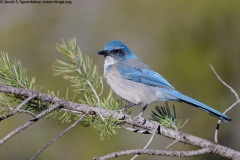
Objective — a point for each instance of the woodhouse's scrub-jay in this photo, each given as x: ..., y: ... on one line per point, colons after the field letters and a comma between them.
x: 136, y: 83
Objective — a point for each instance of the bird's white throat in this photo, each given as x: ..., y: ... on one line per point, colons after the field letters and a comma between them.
x: 107, y: 62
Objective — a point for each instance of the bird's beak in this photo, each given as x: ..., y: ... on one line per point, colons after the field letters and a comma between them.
x: 104, y: 52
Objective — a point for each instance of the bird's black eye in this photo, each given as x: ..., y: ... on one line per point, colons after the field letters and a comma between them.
x: 116, y: 51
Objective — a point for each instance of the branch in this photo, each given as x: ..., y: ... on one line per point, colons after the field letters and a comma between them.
x: 229, y: 108
x: 149, y: 142
x: 131, y: 120
x: 59, y: 136
x: 93, y: 90
x: 25, y: 111
x: 42, y: 114
x: 231, y: 89
x: 155, y: 153
x: 90, y: 85
x: 18, y: 109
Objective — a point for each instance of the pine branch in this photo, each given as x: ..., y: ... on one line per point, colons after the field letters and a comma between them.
x: 24, y: 126
x: 18, y: 109
x: 17, y: 88
x: 131, y: 120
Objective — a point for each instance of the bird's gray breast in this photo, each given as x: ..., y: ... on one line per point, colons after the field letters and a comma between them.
x: 130, y: 91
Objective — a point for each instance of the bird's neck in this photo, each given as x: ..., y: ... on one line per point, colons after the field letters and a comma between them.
x: 108, y: 62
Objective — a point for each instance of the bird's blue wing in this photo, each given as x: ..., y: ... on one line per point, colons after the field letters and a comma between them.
x: 151, y: 78
x: 143, y: 75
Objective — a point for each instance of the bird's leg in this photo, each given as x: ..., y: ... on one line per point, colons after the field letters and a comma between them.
x: 127, y: 106
x: 144, y: 108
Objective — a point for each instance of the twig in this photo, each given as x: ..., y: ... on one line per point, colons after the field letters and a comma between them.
x: 25, y: 111
x: 68, y: 110
x: 234, y: 92
x: 149, y: 142
x: 173, y: 143
x: 18, y: 107
x: 176, y: 140
x: 219, y: 121
x: 90, y: 85
x: 229, y: 108
x: 42, y: 114
x: 59, y: 136
x: 155, y: 152
x: 94, y: 91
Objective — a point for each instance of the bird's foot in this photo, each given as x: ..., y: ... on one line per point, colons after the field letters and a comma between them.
x: 121, y: 111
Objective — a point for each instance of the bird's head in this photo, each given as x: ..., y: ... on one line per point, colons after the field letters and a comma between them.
x: 117, y: 50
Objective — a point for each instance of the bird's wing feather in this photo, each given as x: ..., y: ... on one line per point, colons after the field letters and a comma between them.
x: 144, y: 75
x: 151, y: 78
x: 196, y: 103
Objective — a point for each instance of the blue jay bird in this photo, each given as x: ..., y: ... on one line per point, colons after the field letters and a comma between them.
x: 136, y: 83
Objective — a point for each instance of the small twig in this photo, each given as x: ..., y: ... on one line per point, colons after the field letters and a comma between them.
x: 172, y: 144
x: 219, y: 121
x: 149, y: 142
x: 18, y: 107
x: 90, y: 85
x: 229, y: 108
x: 234, y: 92
x: 94, y: 92
x: 176, y: 140
x: 42, y: 114
x: 69, y: 110
x: 25, y: 111
x: 156, y: 153
x: 59, y: 136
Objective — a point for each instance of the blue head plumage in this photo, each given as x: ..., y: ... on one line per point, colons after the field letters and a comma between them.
x: 117, y: 50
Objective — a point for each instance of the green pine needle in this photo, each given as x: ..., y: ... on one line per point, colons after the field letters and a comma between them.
x: 13, y: 74
x: 77, y: 68
x: 165, y: 118
x: 80, y: 70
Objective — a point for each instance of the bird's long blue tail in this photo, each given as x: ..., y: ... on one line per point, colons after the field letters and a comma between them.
x: 198, y: 104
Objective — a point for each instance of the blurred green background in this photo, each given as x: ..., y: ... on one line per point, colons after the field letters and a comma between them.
x: 178, y: 39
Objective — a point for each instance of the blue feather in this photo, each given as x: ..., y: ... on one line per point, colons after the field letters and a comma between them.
x: 143, y: 75
x: 196, y: 103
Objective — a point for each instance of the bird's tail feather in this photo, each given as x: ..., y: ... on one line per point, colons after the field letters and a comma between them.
x: 198, y: 104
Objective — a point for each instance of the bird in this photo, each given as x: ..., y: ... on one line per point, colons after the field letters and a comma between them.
x: 136, y: 83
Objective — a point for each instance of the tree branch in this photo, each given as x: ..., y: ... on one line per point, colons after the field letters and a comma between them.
x: 155, y: 152
x: 59, y: 136
x: 18, y: 109
x: 229, y: 108
x: 131, y: 120
x: 149, y: 142
x: 25, y: 111
x: 42, y: 114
